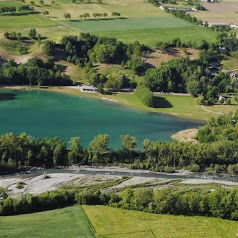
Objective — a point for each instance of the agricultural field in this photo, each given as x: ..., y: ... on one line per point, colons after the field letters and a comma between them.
x: 68, y: 222
x: 147, y: 24
x: 116, y: 223
x: 151, y: 36
x: 107, y: 222
x: 224, y: 12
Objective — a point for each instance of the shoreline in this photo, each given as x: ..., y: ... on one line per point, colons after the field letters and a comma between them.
x: 73, y: 91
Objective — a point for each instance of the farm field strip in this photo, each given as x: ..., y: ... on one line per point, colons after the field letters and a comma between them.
x: 225, y: 12
x: 96, y: 25
x: 116, y: 223
x: 151, y: 36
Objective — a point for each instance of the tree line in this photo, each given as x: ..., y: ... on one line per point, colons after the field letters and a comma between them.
x: 12, y: 9
x: 217, y: 156
x: 221, y: 203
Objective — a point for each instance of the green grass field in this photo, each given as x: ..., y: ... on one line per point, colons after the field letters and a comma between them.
x: 68, y: 222
x: 151, y: 36
x: 9, y: 4
x: 25, y: 21
x: 133, y: 23
x: 117, y: 223
x: 107, y: 222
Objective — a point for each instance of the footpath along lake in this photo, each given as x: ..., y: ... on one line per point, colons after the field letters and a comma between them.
x: 45, y: 114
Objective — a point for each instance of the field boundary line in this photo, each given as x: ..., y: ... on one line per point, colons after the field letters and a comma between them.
x: 93, y: 230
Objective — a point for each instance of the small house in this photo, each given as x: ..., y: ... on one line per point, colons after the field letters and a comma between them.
x: 88, y: 88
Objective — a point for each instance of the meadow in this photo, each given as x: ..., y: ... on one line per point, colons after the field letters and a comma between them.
x: 116, y: 223
x: 151, y: 36
x: 108, y: 222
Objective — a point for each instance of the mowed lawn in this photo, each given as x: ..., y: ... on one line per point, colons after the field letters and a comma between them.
x: 117, y: 223
x: 69, y: 222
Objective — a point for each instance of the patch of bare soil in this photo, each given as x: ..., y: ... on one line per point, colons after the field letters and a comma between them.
x: 188, y: 135
x: 157, y: 57
x: 21, y: 59
x: 69, y: 69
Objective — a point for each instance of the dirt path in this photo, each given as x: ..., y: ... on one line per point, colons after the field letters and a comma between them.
x: 220, y: 113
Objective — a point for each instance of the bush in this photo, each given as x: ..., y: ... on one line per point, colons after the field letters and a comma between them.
x: 20, y: 185
x: 145, y: 95
x: 194, y: 168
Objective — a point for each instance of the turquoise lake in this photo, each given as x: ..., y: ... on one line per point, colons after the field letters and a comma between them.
x: 46, y: 114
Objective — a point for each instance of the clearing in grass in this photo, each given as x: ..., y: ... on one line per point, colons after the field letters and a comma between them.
x: 111, y: 222
x: 67, y: 222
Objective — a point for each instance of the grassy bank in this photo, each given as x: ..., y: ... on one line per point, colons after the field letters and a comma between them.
x: 67, y: 222
x: 181, y: 106
x: 116, y: 223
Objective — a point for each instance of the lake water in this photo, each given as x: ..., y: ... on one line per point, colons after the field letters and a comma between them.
x: 46, y: 114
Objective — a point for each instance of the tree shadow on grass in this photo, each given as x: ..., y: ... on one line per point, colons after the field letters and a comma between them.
x: 160, y: 102
x: 7, y: 96
x: 99, y: 19
x: 21, y: 13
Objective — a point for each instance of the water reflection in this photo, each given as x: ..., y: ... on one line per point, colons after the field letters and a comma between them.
x: 7, y: 96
